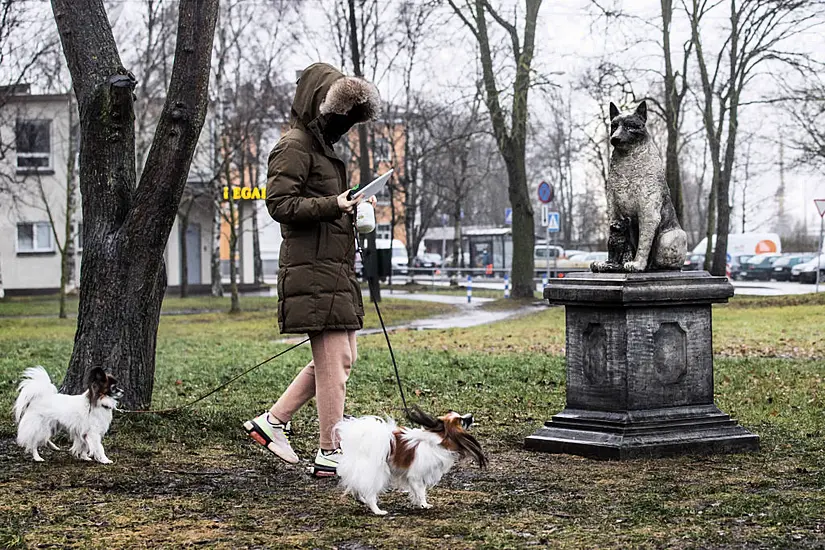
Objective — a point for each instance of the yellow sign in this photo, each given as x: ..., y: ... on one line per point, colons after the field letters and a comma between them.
x: 245, y: 193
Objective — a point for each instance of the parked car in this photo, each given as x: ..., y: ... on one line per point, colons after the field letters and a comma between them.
x: 759, y: 268
x: 694, y: 262
x: 783, y: 266
x: 807, y: 270
x: 399, y: 261
x: 585, y: 259
x: 427, y: 259
x: 735, y: 265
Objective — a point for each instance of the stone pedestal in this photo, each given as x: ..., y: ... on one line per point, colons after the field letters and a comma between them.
x: 640, y: 368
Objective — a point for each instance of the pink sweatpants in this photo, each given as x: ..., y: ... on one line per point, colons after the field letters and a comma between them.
x: 325, y: 378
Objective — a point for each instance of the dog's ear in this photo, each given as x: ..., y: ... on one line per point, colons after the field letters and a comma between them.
x: 97, y: 382
x: 614, y: 111
x: 417, y: 416
x: 641, y: 110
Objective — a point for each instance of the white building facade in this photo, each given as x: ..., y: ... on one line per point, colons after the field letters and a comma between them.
x: 35, y: 134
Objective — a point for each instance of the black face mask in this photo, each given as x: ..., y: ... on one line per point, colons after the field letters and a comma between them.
x: 337, y: 125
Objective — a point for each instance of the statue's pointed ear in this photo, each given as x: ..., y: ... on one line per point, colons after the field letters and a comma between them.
x: 614, y: 111
x: 641, y: 110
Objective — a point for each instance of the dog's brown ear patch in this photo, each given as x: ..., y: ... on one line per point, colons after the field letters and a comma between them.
x: 98, y: 383
x: 417, y: 416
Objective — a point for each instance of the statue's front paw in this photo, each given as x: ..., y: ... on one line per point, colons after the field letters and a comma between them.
x: 633, y: 267
x: 598, y: 267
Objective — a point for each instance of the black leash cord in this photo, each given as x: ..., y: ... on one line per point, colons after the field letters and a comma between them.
x: 219, y: 388
x: 387, y: 338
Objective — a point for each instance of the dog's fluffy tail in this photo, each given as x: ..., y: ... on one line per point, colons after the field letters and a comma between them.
x: 35, y: 385
x: 366, y: 443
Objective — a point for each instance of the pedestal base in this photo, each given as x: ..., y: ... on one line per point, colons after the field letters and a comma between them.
x: 702, y: 429
x: 640, y: 368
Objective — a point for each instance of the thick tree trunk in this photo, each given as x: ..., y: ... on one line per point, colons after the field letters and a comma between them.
x: 126, y: 227
x: 523, y: 226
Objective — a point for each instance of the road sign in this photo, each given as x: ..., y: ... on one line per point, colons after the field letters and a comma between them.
x: 508, y: 216
x: 544, y: 210
x: 553, y: 225
x: 546, y: 192
x: 820, y: 205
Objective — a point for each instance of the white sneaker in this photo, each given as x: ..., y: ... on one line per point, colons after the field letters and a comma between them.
x: 326, y: 463
x: 275, y: 437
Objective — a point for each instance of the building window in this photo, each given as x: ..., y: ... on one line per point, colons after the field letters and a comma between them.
x: 383, y: 231
x: 34, y: 237
x: 33, y: 145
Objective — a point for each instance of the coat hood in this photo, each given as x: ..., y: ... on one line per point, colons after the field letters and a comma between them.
x: 323, y: 89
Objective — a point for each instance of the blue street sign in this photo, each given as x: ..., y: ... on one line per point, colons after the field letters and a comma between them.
x: 553, y: 224
x: 545, y: 192
x: 508, y: 216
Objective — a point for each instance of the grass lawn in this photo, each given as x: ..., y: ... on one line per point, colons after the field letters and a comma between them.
x: 195, y: 479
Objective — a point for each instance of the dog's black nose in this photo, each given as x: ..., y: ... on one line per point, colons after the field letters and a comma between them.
x: 615, y: 141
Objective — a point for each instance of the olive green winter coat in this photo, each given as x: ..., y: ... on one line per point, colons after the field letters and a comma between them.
x: 317, y: 287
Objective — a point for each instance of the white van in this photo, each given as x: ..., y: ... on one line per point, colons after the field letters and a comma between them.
x: 746, y: 243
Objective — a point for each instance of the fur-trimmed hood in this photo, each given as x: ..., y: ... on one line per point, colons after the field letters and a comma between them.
x: 322, y: 89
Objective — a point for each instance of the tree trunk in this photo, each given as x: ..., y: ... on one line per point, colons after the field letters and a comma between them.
x: 215, y: 254
x: 511, y: 143
x: 258, y: 264
x: 710, y: 224
x: 184, y: 257
x: 673, y: 175
x: 523, y: 226
x: 126, y: 227
x: 234, y: 211
x: 458, y: 253
x: 364, y: 168
x: 67, y: 252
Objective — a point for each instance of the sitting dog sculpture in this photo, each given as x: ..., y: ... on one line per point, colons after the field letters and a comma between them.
x: 644, y: 232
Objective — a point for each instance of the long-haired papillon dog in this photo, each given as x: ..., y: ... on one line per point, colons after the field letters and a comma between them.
x: 40, y: 412
x: 377, y: 454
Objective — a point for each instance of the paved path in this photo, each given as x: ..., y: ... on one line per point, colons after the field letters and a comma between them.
x: 469, y: 315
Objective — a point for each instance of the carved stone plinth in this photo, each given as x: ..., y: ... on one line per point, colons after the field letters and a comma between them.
x: 640, y: 368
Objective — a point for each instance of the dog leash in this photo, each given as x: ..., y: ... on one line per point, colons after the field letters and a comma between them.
x: 284, y: 352
x: 214, y: 390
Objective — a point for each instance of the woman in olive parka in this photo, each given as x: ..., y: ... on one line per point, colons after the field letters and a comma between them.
x: 318, y: 292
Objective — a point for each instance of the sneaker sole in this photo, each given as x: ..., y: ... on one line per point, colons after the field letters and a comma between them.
x: 250, y: 430
x: 321, y: 471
